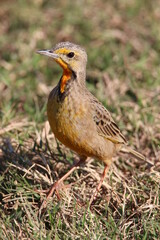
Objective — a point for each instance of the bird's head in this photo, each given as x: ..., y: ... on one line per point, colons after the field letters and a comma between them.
x: 69, y: 56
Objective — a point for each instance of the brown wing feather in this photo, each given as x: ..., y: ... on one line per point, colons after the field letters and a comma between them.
x: 106, y: 126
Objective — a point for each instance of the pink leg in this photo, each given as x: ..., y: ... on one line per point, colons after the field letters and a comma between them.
x: 94, y: 195
x: 59, y: 184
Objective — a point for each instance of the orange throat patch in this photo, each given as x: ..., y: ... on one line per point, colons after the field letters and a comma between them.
x: 66, y: 76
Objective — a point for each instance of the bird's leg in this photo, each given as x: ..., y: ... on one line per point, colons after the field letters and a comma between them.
x: 59, y: 184
x: 94, y: 195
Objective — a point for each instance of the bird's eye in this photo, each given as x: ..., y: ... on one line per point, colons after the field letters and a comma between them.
x: 70, y: 54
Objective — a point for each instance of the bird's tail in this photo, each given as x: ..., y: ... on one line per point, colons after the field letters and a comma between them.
x: 135, y: 154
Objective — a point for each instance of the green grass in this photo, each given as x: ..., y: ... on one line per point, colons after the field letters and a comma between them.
x: 122, y: 39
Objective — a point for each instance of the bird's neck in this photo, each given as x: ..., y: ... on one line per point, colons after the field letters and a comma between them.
x: 71, y: 78
x: 81, y: 78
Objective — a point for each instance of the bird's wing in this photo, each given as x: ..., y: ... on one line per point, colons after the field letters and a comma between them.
x: 106, y: 127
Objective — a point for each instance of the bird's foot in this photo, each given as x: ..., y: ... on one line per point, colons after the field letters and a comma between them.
x: 55, y: 188
x: 93, y: 197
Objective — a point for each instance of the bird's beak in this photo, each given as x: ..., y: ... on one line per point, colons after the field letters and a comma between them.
x: 48, y: 53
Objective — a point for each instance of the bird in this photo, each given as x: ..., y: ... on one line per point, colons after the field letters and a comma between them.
x: 78, y: 119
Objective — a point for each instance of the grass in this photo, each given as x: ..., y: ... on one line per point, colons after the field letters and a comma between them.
x: 122, y: 41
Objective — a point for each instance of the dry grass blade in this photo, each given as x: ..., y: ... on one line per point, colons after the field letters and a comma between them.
x: 15, y: 126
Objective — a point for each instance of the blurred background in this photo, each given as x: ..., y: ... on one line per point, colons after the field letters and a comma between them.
x: 122, y: 39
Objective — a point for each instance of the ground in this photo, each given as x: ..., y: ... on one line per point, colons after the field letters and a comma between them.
x: 122, y: 39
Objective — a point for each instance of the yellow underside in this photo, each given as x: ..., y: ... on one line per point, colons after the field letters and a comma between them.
x: 64, y: 123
